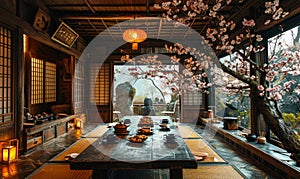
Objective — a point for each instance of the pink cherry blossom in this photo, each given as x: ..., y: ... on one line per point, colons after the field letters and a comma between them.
x: 267, y: 22
x: 212, y: 13
x: 260, y: 88
x: 228, y: 1
x: 157, y: 6
x: 277, y: 96
x: 217, y: 7
x: 259, y: 38
x: 248, y: 23
x: 166, y: 5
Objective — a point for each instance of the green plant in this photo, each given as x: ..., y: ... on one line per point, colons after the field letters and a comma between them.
x: 292, y: 120
x: 289, y: 118
x: 240, y: 114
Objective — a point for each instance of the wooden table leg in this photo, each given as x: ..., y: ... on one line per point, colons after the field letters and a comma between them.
x: 97, y: 174
x: 176, y: 174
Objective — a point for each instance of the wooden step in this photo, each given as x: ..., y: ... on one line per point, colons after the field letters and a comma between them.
x: 212, y: 171
x: 187, y: 132
x: 200, y: 145
x: 77, y: 147
x: 97, y: 132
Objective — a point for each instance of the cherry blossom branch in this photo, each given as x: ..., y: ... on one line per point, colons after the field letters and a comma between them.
x: 235, y: 74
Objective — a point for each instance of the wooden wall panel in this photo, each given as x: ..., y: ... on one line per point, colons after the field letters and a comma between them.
x: 6, y: 132
x: 191, y: 114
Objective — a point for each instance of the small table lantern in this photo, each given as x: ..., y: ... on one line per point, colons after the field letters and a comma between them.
x: 78, y: 123
x: 10, y: 151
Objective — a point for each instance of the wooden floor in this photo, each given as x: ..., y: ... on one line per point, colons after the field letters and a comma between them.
x: 211, y: 172
x: 52, y: 153
x: 58, y: 166
x: 60, y: 171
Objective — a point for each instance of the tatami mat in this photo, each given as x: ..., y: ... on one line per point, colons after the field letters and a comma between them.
x: 187, y: 132
x: 98, y: 132
x: 77, y: 147
x: 60, y: 171
x: 212, y: 172
x: 199, y: 145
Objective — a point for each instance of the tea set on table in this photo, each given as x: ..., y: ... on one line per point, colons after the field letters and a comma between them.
x: 169, y: 139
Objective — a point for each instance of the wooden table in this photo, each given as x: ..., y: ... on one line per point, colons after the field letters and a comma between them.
x: 153, y: 153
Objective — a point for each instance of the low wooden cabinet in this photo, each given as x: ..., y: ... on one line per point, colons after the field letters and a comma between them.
x: 33, y: 142
x: 61, y: 129
x: 49, y: 134
x: 38, y: 134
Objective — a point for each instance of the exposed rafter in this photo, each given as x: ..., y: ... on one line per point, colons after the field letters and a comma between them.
x: 91, y: 17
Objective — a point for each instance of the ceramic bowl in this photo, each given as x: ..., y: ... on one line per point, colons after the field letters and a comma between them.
x: 251, y: 137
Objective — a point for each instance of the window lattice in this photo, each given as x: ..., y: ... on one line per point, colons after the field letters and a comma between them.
x: 100, y: 84
x: 79, y: 87
x: 50, y: 78
x: 37, y: 81
x: 41, y: 73
x: 192, y: 98
x: 5, y: 75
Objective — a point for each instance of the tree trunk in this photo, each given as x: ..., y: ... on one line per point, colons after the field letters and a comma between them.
x: 287, y: 136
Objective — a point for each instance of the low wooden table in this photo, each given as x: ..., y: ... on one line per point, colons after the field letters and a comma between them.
x: 153, y: 153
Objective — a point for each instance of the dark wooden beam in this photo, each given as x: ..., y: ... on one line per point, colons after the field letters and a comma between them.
x: 34, y: 34
x: 53, y: 6
x: 90, y: 6
x: 93, y: 26
x: 107, y: 15
x: 292, y: 12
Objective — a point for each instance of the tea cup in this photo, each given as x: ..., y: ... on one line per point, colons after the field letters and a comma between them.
x: 110, y: 138
x: 169, y: 137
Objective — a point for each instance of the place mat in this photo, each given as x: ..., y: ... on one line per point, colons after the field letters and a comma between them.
x: 60, y: 171
x: 187, y: 132
x: 212, y: 171
x: 199, y: 145
x: 77, y: 147
x: 97, y: 132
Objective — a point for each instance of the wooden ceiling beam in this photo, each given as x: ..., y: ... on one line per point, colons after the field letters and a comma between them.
x: 159, y: 28
x: 188, y: 30
x: 106, y: 15
x: 107, y: 28
x: 53, y: 6
x: 93, y: 26
x: 293, y: 9
x: 118, y: 24
x: 89, y: 6
x: 240, y: 13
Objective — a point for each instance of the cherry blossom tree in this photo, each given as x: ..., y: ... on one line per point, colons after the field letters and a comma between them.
x: 243, y: 44
x: 193, y: 76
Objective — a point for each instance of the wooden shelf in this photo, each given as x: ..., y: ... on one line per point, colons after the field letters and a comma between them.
x: 262, y: 154
x: 35, y: 135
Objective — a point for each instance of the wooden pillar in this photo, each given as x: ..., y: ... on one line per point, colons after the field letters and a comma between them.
x: 261, y: 59
x: 19, y: 90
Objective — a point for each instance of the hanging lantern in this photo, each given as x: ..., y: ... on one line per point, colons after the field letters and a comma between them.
x: 134, y: 46
x: 10, y: 151
x: 134, y: 36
